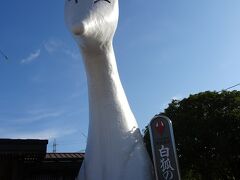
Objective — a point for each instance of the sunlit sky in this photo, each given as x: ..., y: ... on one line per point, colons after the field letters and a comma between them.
x: 165, y: 49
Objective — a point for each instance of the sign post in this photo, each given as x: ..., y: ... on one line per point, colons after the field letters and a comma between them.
x: 163, y: 149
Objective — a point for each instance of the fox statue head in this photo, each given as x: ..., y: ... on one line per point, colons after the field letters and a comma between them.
x: 92, y: 21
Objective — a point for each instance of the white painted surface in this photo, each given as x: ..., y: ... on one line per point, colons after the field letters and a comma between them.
x: 115, y: 150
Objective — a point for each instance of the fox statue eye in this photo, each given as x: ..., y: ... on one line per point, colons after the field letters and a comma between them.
x: 95, y: 1
x: 102, y: 0
x: 76, y: 1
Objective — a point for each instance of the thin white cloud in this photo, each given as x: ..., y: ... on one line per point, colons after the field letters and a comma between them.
x: 32, y: 56
x: 53, y: 45
x: 58, y: 46
x: 41, y: 134
x: 72, y: 54
x: 34, y: 116
x: 44, y: 134
x: 25, y: 126
x: 40, y: 117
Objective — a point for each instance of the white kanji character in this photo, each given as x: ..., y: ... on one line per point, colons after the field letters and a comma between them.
x: 166, y: 165
x: 168, y: 175
x: 164, y: 152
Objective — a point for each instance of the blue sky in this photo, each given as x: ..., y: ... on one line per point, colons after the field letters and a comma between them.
x: 164, y: 49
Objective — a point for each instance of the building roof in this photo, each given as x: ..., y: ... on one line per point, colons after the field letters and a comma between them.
x: 63, y: 156
x: 23, y: 149
x: 29, y: 160
x: 33, y: 150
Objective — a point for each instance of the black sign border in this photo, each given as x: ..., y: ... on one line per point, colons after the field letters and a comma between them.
x: 172, y: 141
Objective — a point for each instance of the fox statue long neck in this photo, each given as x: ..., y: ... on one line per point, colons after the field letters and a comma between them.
x: 114, y: 141
x: 108, y: 105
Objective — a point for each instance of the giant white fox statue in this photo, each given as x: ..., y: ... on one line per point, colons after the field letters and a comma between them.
x: 115, y: 149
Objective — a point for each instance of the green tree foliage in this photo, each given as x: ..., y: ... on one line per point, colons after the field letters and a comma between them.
x: 207, y: 134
